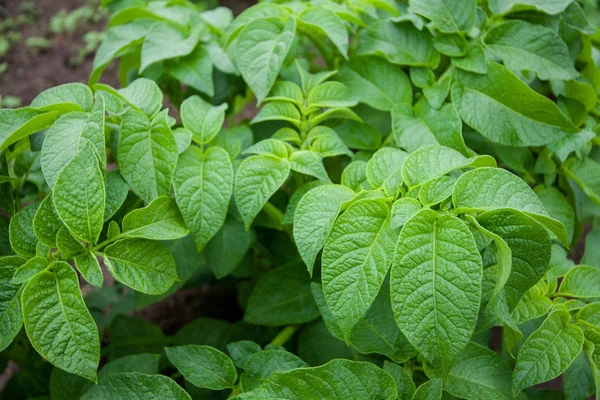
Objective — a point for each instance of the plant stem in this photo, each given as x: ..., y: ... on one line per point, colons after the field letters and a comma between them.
x: 273, y: 212
x: 176, y: 375
x: 285, y: 335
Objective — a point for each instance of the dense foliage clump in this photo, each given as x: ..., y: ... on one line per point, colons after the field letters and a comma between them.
x: 415, y: 175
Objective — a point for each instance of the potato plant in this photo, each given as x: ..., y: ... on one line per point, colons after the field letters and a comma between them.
x: 410, y: 212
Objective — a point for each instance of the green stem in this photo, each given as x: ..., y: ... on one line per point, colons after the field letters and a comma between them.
x: 104, y: 243
x: 273, y: 212
x: 176, y: 375
x: 285, y: 335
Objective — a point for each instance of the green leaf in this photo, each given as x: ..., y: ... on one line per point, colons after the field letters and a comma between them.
x: 449, y: 16
x: 479, y: 374
x: 262, y: 365
x: 87, y: 264
x: 270, y: 147
x: 403, y: 210
x: 338, y: 379
x: 260, y: 50
x: 548, y: 351
x: 309, y: 163
x: 240, y: 351
x: 314, y: 218
x: 401, y: 44
x: 506, y: 6
x: 147, y: 154
x: 356, y: 259
x: 320, y: 21
x: 31, y: 268
x: 502, y: 190
x: 582, y: 281
x: 558, y: 207
x: 131, y: 385
x: 116, y: 193
x: 359, y: 136
x: 436, y: 285
x: 578, y: 379
x: 67, y: 244
x: 354, y: 176
x: 383, y: 169
x: 203, y: 186
x: 202, y: 119
x: 376, y: 82
x: 534, y: 304
x: 164, y: 41
x: 331, y: 95
x: 16, y: 124
x: 282, y: 297
x: 195, y: 70
x: 475, y: 60
x: 117, y: 40
x: 144, y: 95
x: 278, y: 111
x: 160, y: 220
x: 11, y: 318
x: 436, y: 190
x: 145, y: 363
x: 586, y: 174
x: 428, y: 126
x: 524, y: 46
x: 203, y: 366
x: 430, y: 390
x: 228, y: 247
x: 287, y: 92
x: 257, y: 179
x: 46, y: 223
x: 405, y: 384
x: 433, y: 161
x: 326, y: 142
x: 530, y: 248
x: 79, y: 196
x: 52, y: 302
x: 520, y: 118
x: 22, y: 237
x: 258, y: 11
x: 66, y: 386
x: 65, y: 98
x: 143, y: 265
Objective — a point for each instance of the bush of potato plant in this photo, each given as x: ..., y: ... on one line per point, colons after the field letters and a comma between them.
x: 410, y: 212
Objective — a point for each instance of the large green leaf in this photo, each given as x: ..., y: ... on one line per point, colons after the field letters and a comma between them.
x: 136, y: 385
x: 257, y: 178
x: 260, y: 51
x: 524, y: 46
x: 144, y: 265
x: 582, y: 281
x: 520, y: 117
x: 79, y: 196
x: 203, y: 186
x: 548, y: 351
x: 356, y: 260
x: 23, y: 240
x: 65, y: 98
x: 338, y: 379
x: 147, y: 154
x: 320, y: 22
x: 59, y: 324
x: 164, y: 41
x: 449, y: 16
x: 15, y: 124
x: 549, y: 7
x: 436, y: 286
x: 558, y: 207
x: 282, y: 297
x: 203, y: 366
x: 314, y: 217
x: 401, y: 44
x: 160, y: 220
x: 11, y: 319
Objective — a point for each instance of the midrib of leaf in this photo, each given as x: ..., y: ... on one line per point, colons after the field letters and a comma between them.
x: 434, y: 250
x: 151, y: 224
x: 154, y: 189
x: 544, y: 352
x: 450, y: 15
x: 141, y: 266
x: 87, y: 208
x: 189, y: 357
x: 390, y: 345
x: 511, y: 109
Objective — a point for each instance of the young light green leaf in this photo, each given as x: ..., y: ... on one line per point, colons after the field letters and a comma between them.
x: 144, y: 95
x: 548, y: 351
x: 449, y: 16
x: 116, y: 193
x: 87, y: 264
x: 436, y: 285
x: 533, y: 304
x: 203, y: 186
x: 258, y: 11
x: 52, y: 302
x: 65, y: 98
x: 376, y: 82
x: 67, y: 244
x: 403, y: 210
x: 31, y: 268
x: 436, y: 190
x: 11, y: 318
x: 320, y: 21
x: 282, y: 297
x: 520, y: 118
x: 132, y: 385
x: 549, y: 7
x: 165, y: 40
x: 405, y: 384
x: 401, y: 44
x: 314, y: 217
x: 356, y: 259
x: 203, y: 366
x: 23, y: 240
x: 46, y: 223
x: 257, y: 178
x: 202, y: 119
x: 354, y: 176
x: 260, y: 50
x: 326, y: 142
x: 143, y: 265
x: 16, y: 124
x: 524, y: 46
x: 331, y: 95
x: 586, y: 174
x: 278, y: 111
x: 338, y: 379
x: 309, y: 163
x: 287, y: 92
x: 582, y: 281
x: 79, y: 196
x: 474, y: 61
x: 147, y: 154
x: 270, y: 147
x: 383, y: 169
x: 160, y: 220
